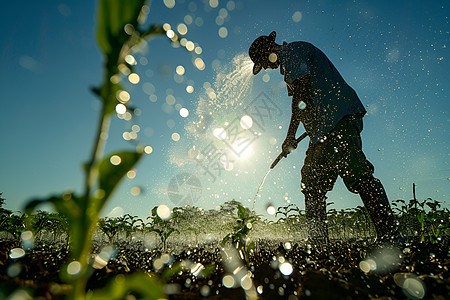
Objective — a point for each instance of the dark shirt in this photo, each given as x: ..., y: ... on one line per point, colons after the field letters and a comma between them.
x: 331, y: 98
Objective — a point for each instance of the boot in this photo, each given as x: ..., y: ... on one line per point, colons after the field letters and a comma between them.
x: 376, y: 202
x: 316, y: 219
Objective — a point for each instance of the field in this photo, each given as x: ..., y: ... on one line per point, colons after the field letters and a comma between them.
x: 229, y: 253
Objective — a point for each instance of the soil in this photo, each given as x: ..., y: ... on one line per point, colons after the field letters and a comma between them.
x: 342, y: 270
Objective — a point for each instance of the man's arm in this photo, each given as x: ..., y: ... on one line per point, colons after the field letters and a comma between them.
x: 299, y: 100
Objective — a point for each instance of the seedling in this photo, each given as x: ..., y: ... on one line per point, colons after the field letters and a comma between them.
x: 241, y: 227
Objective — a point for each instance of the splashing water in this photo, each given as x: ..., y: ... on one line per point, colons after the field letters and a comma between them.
x: 222, y: 100
x: 260, y: 188
x: 231, y: 86
x: 228, y: 95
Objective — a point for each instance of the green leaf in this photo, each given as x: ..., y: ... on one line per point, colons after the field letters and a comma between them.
x: 226, y: 239
x: 113, y: 15
x: 421, y: 217
x: 108, y: 94
x: 241, y: 212
x: 121, y: 285
x: 171, y: 272
x: 110, y: 175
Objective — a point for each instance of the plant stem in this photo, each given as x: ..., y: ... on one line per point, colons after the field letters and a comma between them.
x: 97, y: 151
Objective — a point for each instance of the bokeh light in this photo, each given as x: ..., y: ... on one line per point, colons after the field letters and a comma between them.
x: 16, y: 253
x: 190, y: 89
x: 175, y: 137
x: 213, y: 3
x: 190, y: 46
x: 121, y: 109
x: 123, y: 96
x: 297, y: 16
x: 271, y: 210
x: 74, y: 268
x: 131, y: 174
x: 228, y: 281
x: 184, y: 112
x: 199, y: 63
x: 246, y: 122
x: 180, y: 70
x: 220, y: 133
x: 148, y: 149
x: 169, y: 3
x: 223, y: 32
x: 134, y: 78
x: 115, y: 160
x: 163, y: 212
x: 182, y: 29
x: 135, y: 191
x: 286, y: 268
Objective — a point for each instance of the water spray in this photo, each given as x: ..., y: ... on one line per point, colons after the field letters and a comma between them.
x: 275, y: 162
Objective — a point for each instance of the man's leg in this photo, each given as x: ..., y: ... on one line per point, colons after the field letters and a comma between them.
x: 318, y: 177
x: 375, y: 200
x: 316, y: 218
x: 357, y: 171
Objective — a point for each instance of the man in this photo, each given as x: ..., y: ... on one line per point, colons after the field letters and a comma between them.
x: 331, y: 114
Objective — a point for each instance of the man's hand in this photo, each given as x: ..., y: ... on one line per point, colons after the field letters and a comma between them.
x: 289, y: 145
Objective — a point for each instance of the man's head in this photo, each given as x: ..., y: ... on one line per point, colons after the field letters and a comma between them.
x: 263, y: 52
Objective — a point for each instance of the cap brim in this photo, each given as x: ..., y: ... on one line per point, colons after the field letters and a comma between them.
x: 256, y: 68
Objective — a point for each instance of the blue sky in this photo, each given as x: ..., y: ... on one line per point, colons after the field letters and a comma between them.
x: 393, y: 53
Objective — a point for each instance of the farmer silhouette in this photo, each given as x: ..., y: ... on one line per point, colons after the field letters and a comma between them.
x: 331, y: 114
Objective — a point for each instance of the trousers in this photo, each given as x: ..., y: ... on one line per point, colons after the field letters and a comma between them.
x: 340, y: 154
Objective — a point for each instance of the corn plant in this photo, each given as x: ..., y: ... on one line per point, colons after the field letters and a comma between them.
x: 437, y: 220
x: 44, y: 222
x: 119, y: 34
x: 13, y: 223
x: 416, y: 217
x: 240, y: 228
x: 292, y: 216
x: 163, y: 227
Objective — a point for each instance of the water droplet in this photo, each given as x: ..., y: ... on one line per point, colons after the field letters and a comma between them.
x: 184, y: 112
x: 286, y: 268
x: 271, y: 209
x: 134, y: 78
x: 259, y: 289
x: 16, y: 253
x: 220, y: 133
x: 175, y: 137
x: 74, y: 268
x: 131, y: 174
x: 163, y: 212
x: 182, y: 29
x: 14, y: 270
x: 273, y: 57
x: 148, y: 149
x: 189, y: 89
x: 121, y: 109
x: 180, y: 70
x: 246, y: 122
x: 115, y: 160
x: 213, y: 3
x: 169, y: 3
x: 297, y: 17
x: 223, y: 32
x: 130, y: 60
